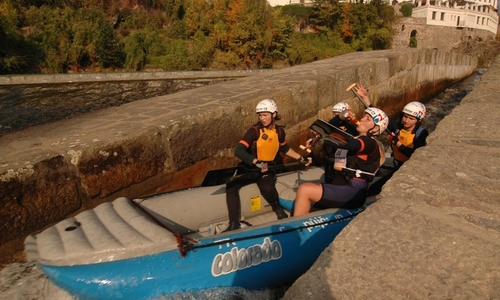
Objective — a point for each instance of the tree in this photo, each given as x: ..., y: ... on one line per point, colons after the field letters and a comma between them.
x: 326, y: 14
x: 406, y: 9
x: 347, y: 30
x: 135, y: 54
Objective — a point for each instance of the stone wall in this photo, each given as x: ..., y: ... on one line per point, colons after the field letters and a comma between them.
x: 429, y: 36
x: 165, y: 143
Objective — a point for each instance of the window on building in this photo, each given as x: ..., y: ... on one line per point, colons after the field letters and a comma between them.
x: 433, y: 15
x: 442, y: 16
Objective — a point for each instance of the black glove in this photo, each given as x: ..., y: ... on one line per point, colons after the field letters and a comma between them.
x: 394, y: 139
x: 302, y: 160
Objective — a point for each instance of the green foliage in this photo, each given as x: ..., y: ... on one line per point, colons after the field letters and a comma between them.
x: 135, y: 53
x: 406, y: 9
x: 413, y: 42
x: 201, y: 51
x: 176, y: 35
x: 175, y: 57
x: 326, y: 14
x: 380, y: 39
x: 297, y: 11
x: 311, y: 47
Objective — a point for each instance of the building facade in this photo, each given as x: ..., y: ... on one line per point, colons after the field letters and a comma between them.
x: 288, y: 2
x: 475, y: 14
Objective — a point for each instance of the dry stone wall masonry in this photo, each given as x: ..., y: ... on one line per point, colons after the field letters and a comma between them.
x: 169, y: 142
x: 430, y: 36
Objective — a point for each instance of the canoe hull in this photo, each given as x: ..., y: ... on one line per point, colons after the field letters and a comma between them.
x: 254, y: 258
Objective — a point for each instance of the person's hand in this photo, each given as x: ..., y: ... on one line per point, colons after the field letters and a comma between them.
x: 310, y: 142
x: 305, y: 161
x: 346, y: 114
x: 394, y: 139
x: 362, y: 92
x: 262, y: 166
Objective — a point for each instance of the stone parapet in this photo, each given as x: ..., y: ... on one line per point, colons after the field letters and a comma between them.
x: 165, y: 143
x: 106, y: 77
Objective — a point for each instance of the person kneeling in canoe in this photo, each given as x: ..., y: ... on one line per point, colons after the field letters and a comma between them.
x: 260, y: 147
x: 356, y: 163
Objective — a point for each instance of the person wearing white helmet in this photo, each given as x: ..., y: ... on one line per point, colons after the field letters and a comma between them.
x: 356, y: 163
x: 409, y: 134
x: 260, y: 147
x: 344, y: 118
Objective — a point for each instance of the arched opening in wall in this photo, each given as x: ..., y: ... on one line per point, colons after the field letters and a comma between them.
x: 413, y: 39
x: 403, y: 27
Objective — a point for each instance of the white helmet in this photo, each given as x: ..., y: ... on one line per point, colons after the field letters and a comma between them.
x: 379, y: 117
x: 266, y: 105
x: 340, y: 107
x: 415, y: 109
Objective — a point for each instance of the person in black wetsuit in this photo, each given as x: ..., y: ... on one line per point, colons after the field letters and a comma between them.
x: 356, y: 163
x: 260, y: 147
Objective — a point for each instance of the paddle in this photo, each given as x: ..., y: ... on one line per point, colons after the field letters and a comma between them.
x: 221, y: 176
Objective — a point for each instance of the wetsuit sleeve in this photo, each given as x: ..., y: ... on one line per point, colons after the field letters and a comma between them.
x: 354, y: 145
x: 339, y: 123
x: 335, y: 121
x: 361, y: 144
x: 393, y: 125
x: 421, y: 139
x: 241, y: 153
x: 241, y: 149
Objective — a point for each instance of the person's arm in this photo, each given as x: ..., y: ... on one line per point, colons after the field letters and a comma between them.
x: 363, y: 93
x: 393, y: 126
x: 293, y: 154
x: 289, y: 151
x: 354, y: 145
x: 241, y: 149
x: 335, y: 121
x: 241, y: 153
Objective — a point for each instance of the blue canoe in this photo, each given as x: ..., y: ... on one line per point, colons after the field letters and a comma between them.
x: 170, y: 243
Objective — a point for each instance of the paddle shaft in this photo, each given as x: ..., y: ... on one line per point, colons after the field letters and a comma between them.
x: 274, y: 167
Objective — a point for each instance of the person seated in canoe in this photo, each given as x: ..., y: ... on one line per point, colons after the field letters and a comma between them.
x: 407, y: 134
x: 344, y: 119
x: 259, y: 148
x: 356, y: 163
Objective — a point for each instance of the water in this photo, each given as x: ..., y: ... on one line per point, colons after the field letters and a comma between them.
x: 23, y: 281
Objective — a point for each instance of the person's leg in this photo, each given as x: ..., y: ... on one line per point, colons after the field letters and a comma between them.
x: 233, y: 205
x: 344, y: 196
x: 233, y: 200
x: 307, y: 194
x: 267, y: 187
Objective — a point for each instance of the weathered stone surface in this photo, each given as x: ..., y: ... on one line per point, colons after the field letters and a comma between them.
x: 36, y: 195
x: 108, y: 169
x: 434, y: 232
x: 171, y: 140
